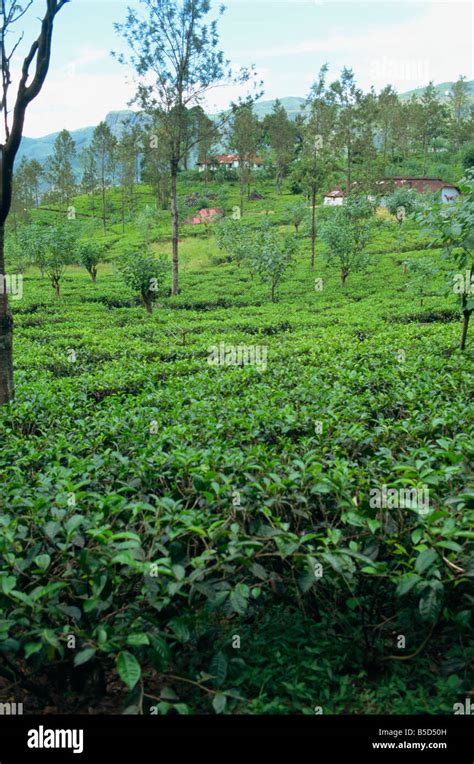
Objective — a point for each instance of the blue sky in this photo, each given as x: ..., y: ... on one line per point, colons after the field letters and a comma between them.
x: 405, y: 43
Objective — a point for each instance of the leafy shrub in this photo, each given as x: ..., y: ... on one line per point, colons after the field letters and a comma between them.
x: 145, y: 275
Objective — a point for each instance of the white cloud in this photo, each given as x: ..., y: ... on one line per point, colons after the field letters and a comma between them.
x: 407, y: 54
x: 76, y: 100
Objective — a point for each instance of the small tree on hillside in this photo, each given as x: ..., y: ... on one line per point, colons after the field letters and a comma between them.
x: 60, y: 243
x: 271, y: 254
x: 32, y: 242
x: 145, y: 275
x: 296, y: 213
x: 347, y: 234
x: 234, y: 237
x: 90, y: 255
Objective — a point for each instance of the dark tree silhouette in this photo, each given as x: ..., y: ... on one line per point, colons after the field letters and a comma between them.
x: 38, y: 56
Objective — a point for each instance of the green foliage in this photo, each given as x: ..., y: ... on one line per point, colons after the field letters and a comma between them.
x: 90, y: 254
x: 422, y: 271
x: 234, y: 237
x: 296, y: 213
x: 452, y: 228
x: 118, y: 505
x: 145, y: 275
x: 347, y: 234
x: 405, y: 199
x: 146, y: 224
x: 271, y: 254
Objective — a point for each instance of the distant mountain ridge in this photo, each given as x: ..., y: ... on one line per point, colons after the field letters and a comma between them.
x: 41, y: 148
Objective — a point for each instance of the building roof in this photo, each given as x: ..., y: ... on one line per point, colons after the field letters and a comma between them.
x: 418, y: 183
x: 203, y: 215
x: 336, y: 193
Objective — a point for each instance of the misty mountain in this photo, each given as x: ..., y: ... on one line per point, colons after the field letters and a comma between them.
x: 41, y: 148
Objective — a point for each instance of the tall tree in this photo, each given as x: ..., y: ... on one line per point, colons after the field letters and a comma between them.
x: 316, y: 164
x: 432, y: 120
x: 103, y: 148
x: 347, y: 97
x: 128, y: 150
x: 176, y: 47
x: 38, y: 56
x: 23, y: 196
x: 280, y: 134
x: 59, y: 173
x: 245, y: 137
x: 155, y: 166
x: 459, y: 99
x: 208, y: 136
x: 89, y: 179
x: 388, y: 105
x: 461, y: 118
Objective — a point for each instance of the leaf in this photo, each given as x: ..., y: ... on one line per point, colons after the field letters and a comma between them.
x: 431, y: 600
x: 128, y: 668
x: 138, y: 639
x: 180, y: 630
x: 8, y: 584
x: 259, y: 571
x: 425, y: 559
x: 406, y: 584
x: 218, y: 668
x: 43, y: 561
x: 306, y: 581
x: 84, y: 656
x: 219, y: 703
x: 32, y: 647
x: 373, y: 524
x: 239, y: 599
x: 179, y: 572
x: 334, y: 561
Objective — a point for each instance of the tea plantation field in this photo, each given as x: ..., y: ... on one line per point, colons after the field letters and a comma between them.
x: 185, y: 537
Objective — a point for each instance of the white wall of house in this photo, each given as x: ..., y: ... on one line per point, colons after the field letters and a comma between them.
x: 330, y: 201
x: 449, y: 194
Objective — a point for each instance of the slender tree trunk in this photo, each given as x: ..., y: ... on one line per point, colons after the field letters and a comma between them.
x: 273, y: 292
x: 348, y: 189
x: 104, y: 224
x: 175, y: 227
x: 7, y: 389
x: 466, y: 317
x: 313, y: 226
x: 343, y: 278
x: 94, y: 275
x: 241, y: 178
x: 148, y: 305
